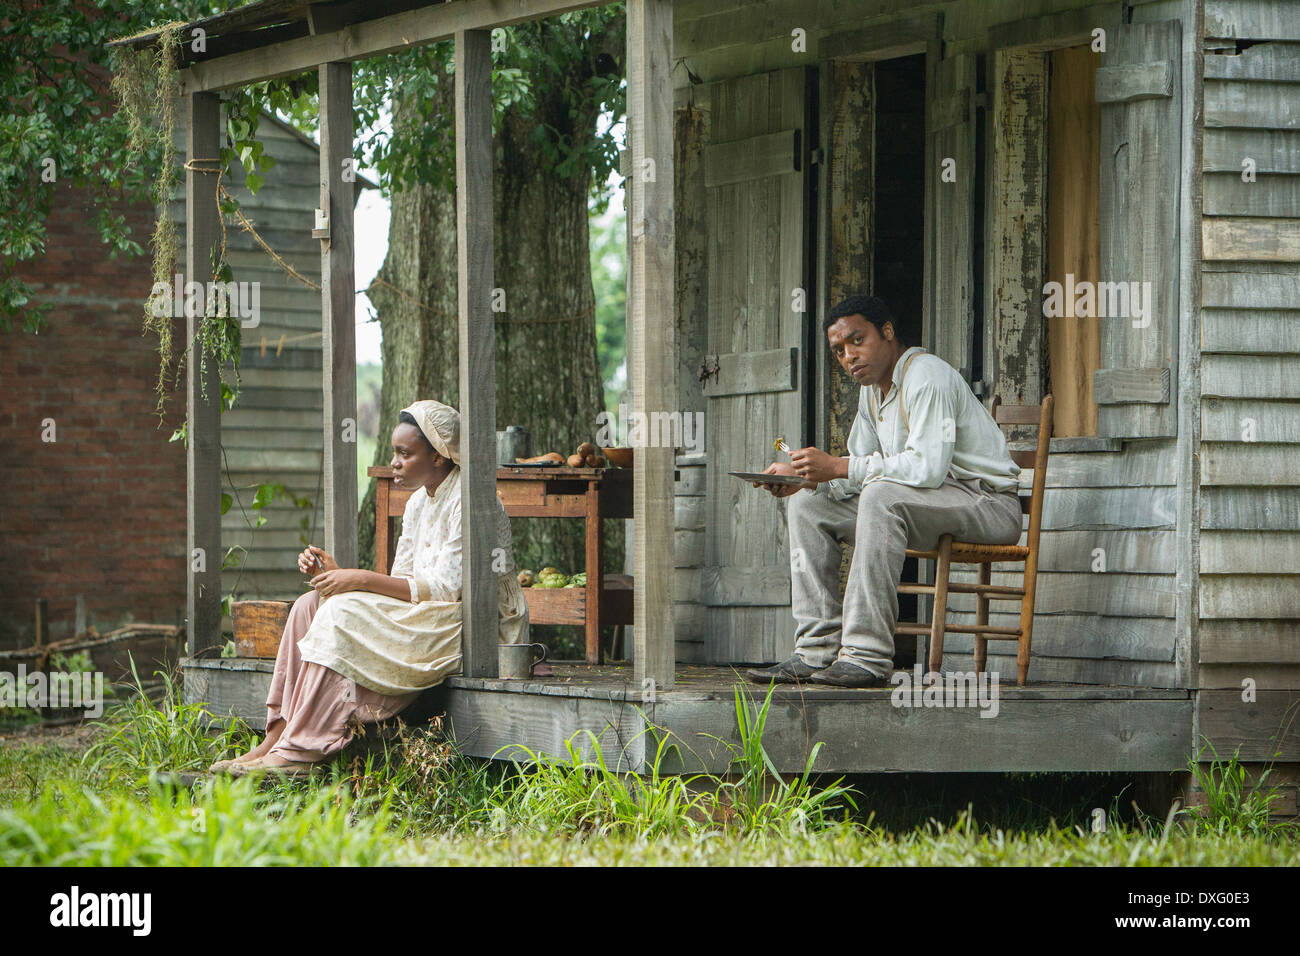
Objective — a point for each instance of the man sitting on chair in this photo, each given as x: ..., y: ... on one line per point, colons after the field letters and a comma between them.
x: 925, y: 459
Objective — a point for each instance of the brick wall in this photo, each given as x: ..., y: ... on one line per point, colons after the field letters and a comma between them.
x: 100, y: 512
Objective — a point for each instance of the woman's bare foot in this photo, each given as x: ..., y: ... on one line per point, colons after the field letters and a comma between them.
x: 261, y: 750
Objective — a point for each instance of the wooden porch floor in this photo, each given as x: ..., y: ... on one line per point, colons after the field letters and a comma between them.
x: 1039, y: 727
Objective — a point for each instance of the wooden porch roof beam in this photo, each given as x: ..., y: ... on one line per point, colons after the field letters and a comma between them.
x: 359, y: 41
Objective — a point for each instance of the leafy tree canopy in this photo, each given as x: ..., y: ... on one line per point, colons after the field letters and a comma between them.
x: 58, y: 123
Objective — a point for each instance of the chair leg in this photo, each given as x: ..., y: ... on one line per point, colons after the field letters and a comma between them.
x: 1022, y: 652
x: 982, y: 617
x: 937, y: 621
x: 1026, y: 629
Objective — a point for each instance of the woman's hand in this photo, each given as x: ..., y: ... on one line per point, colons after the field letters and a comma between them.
x: 307, y: 560
x: 338, y: 580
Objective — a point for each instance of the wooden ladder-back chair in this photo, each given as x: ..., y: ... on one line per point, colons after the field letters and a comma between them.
x: 951, y: 552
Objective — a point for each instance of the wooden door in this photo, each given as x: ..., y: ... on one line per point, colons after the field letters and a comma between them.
x: 759, y: 315
x: 949, y: 308
x: 1139, y: 89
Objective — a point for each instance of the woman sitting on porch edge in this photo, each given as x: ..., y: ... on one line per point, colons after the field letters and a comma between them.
x: 360, y: 646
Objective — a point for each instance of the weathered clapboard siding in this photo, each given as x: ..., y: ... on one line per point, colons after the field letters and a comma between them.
x: 1254, y: 641
x: 1251, y: 20
x: 1249, y: 545
x: 274, y: 432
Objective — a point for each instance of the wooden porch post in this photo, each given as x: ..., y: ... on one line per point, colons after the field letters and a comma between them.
x: 651, y: 345
x: 478, y: 405
x: 203, y: 415
x: 339, y: 361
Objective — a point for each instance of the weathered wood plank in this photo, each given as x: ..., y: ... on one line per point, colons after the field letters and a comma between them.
x: 1269, y: 509
x: 651, y: 308
x: 689, y: 513
x: 1250, y: 552
x: 1251, y: 331
x: 1257, y: 726
x: 756, y: 157
x: 1274, y: 151
x: 762, y: 585
x: 1252, y: 105
x: 1092, y: 636
x: 745, y: 373
x: 487, y: 724
x: 690, y: 481
x: 742, y: 28
x: 1071, y: 27
x: 1265, y: 421
x: 1249, y: 463
x: 1126, y: 386
x: 338, y: 318
x: 948, y: 317
x: 1106, y: 673
x: 1141, y: 172
x: 1118, y: 594
x: 1138, y: 463
x: 1266, y: 676
x: 1249, y: 641
x: 1066, y: 509
x: 688, y: 549
x: 1250, y: 596
x: 1276, y: 240
x: 202, y: 391
x: 1140, y: 552
x: 1251, y: 20
x: 1250, y: 376
x: 1273, y: 195
x: 873, y: 735
x: 1134, y: 81
x: 237, y: 688
x: 904, y: 36
x: 477, y: 354
x: 1263, y: 61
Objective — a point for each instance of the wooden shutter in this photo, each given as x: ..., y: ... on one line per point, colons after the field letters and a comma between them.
x: 1139, y: 92
x: 949, y: 315
x: 756, y: 176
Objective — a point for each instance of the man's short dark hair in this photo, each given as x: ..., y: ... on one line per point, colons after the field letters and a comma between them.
x: 406, y: 418
x: 872, y: 308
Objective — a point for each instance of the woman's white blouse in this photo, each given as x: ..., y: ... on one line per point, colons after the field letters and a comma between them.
x: 429, y: 549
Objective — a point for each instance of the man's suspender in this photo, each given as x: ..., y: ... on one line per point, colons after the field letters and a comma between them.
x: 875, y: 412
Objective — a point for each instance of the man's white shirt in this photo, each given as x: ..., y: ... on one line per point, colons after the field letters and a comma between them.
x: 951, y: 433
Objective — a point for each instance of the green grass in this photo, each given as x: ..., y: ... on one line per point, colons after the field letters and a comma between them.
x: 417, y: 800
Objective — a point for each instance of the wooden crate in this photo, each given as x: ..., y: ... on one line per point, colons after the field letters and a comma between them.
x: 259, y: 626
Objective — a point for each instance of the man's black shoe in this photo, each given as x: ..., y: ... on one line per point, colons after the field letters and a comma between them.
x: 844, y: 674
x: 793, y: 671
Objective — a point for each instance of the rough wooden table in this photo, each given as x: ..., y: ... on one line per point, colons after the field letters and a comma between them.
x: 592, y: 494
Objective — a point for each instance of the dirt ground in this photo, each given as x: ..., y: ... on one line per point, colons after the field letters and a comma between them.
x: 75, y: 737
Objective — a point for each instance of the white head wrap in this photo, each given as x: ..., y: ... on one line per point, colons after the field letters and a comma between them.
x: 440, y: 424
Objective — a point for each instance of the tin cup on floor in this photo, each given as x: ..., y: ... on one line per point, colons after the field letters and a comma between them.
x: 516, y: 661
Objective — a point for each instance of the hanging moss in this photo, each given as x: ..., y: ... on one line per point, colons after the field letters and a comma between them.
x: 144, y: 83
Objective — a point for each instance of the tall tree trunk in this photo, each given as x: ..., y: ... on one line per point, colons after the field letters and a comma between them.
x: 548, y: 375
